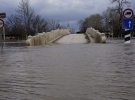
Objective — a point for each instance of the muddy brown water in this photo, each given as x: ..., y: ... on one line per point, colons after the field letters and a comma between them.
x: 68, y: 72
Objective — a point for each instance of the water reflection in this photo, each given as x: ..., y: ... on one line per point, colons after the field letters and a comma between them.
x: 68, y: 72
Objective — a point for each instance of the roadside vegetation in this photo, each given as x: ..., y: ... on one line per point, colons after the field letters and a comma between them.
x: 110, y: 21
x: 26, y: 22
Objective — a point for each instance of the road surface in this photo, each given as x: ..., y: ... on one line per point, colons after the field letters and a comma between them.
x: 72, y: 38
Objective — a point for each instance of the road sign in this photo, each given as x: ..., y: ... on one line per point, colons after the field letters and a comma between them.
x: 2, y: 15
x: 127, y: 23
x: 1, y: 23
x: 128, y: 13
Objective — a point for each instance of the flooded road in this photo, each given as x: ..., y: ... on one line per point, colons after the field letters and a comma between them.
x: 68, y: 72
x: 72, y: 39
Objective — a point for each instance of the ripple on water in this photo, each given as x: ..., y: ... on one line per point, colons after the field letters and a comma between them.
x: 68, y: 72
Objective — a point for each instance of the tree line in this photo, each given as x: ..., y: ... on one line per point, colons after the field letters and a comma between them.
x: 109, y: 21
x: 26, y: 22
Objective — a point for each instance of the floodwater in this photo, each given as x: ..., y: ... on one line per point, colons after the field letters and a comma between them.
x: 68, y: 72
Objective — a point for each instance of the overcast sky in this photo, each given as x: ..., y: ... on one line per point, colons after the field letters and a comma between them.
x: 66, y: 11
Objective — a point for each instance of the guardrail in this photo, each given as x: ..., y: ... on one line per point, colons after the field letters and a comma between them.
x: 95, y: 36
x: 46, y: 38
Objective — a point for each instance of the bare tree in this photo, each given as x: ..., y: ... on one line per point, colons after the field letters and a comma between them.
x: 14, y: 25
x: 82, y: 25
x: 53, y: 24
x: 26, y: 13
x: 39, y: 24
x: 120, y: 5
x: 111, y: 20
x: 94, y: 21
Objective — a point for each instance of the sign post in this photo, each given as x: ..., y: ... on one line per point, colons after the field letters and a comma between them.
x: 127, y: 24
x: 1, y: 23
x: 1, y: 26
x: 3, y: 15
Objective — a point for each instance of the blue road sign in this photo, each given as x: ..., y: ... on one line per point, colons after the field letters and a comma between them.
x: 127, y: 23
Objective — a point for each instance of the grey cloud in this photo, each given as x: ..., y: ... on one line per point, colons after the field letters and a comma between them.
x: 64, y: 10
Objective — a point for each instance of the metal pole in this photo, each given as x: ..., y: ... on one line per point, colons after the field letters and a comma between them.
x: 1, y: 39
x: 112, y: 31
x: 112, y: 28
x: 127, y: 36
x: 4, y: 33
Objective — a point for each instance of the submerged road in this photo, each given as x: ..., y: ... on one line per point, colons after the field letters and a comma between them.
x: 73, y: 38
x: 68, y: 72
